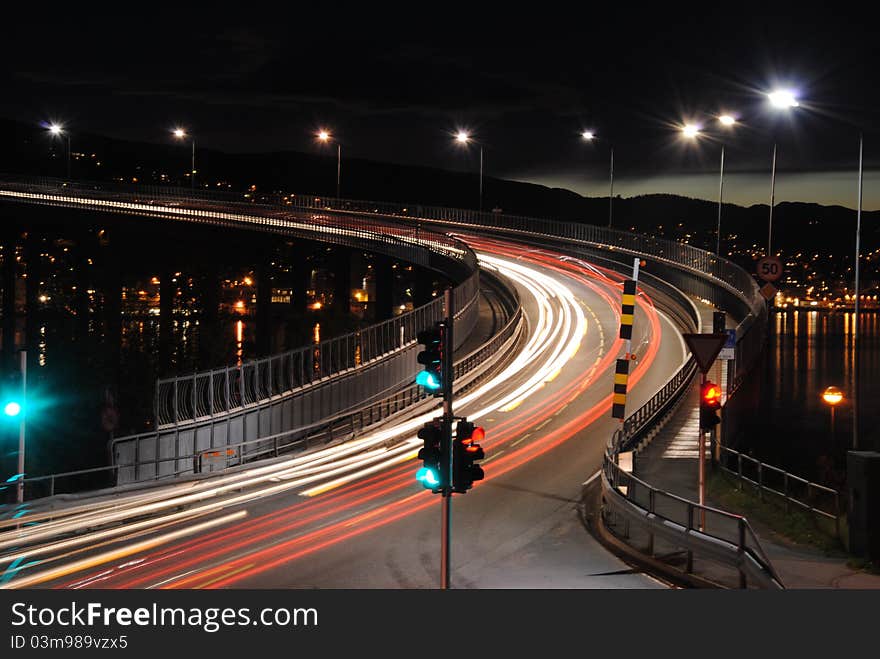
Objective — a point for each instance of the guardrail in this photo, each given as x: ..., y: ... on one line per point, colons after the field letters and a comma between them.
x: 205, y: 394
x: 822, y: 502
x: 709, y: 533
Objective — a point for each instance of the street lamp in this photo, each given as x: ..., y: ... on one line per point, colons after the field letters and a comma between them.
x: 693, y: 132
x: 58, y: 131
x: 180, y: 134
x: 325, y: 137
x: 463, y: 138
x: 781, y: 99
x: 833, y: 396
x: 589, y: 136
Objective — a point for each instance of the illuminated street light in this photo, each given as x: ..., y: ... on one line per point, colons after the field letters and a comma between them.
x: 180, y: 134
x: 833, y: 396
x: 57, y: 130
x: 690, y: 131
x: 589, y: 136
x: 325, y: 137
x: 464, y: 138
x: 783, y: 98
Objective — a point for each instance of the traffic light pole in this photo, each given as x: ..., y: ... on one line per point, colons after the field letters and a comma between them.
x: 446, y: 508
x: 702, y: 463
x: 21, y: 428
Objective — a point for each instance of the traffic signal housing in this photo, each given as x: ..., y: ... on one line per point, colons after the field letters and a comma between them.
x: 433, y: 473
x: 710, y: 406
x: 466, y: 451
x: 431, y: 358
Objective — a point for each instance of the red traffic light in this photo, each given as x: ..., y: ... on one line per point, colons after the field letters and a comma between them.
x: 711, y: 395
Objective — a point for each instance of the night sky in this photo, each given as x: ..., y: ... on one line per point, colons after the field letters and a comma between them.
x: 393, y: 87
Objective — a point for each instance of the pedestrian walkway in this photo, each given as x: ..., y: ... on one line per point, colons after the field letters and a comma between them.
x: 670, y: 462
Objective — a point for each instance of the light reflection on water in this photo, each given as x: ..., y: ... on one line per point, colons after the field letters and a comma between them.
x: 807, y: 352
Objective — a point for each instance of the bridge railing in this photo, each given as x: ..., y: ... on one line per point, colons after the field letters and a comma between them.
x: 203, y: 394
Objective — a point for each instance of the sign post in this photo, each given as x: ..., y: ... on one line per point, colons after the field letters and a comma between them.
x: 705, y: 348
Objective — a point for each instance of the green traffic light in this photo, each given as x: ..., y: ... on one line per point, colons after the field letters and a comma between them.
x: 427, y: 477
x: 428, y: 380
x: 12, y: 408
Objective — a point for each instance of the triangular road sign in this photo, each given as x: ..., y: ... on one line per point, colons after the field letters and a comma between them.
x: 705, y: 348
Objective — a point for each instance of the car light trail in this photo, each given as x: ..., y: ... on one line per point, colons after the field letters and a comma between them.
x: 555, y: 338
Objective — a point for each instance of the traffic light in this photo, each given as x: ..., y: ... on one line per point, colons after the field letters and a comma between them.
x: 466, y: 450
x: 432, y: 473
x: 431, y: 376
x: 710, y: 404
x: 12, y: 401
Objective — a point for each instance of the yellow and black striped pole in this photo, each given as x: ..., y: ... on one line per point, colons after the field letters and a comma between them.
x: 621, y: 372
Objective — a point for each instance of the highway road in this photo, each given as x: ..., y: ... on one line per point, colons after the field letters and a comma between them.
x: 353, y: 516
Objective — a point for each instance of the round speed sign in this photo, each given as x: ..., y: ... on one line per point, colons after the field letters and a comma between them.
x: 769, y: 268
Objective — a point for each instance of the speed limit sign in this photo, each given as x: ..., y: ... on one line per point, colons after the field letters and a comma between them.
x: 769, y: 268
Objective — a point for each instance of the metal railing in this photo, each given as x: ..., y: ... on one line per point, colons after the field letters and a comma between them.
x: 703, y: 531
x: 205, y: 394
x: 822, y: 502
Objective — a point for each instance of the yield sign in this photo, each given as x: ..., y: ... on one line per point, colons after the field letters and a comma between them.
x: 705, y: 348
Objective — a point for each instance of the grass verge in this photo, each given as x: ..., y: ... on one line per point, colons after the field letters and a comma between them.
x: 796, y: 526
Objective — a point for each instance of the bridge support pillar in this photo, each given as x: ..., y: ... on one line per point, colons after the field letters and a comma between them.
x: 264, y: 308
x: 384, y: 277
x: 33, y: 314
x: 422, y: 286
x: 342, y: 282
x: 210, y: 308
x: 166, y: 316
x: 10, y: 236
x: 111, y: 285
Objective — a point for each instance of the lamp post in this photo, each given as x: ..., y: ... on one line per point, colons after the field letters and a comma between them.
x: 855, y: 369
x: 325, y: 137
x: 589, y: 136
x: 693, y: 132
x: 58, y: 130
x: 781, y: 99
x: 463, y: 138
x: 180, y: 134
